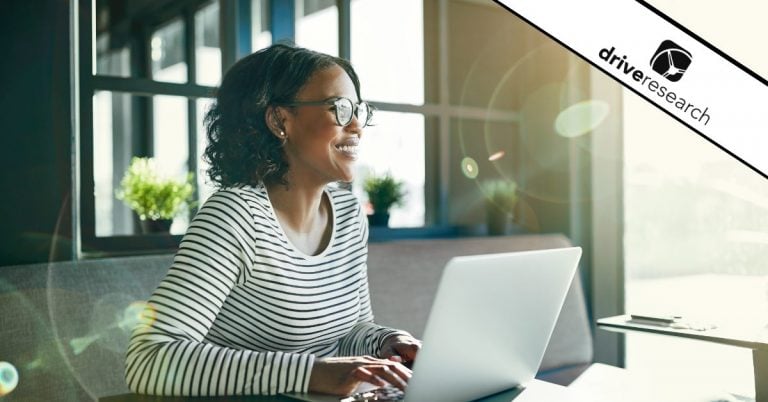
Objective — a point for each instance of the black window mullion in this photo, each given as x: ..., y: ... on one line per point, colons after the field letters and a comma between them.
x: 146, y: 87
x: 189, y: 45
x: 227, y: 34
x: 87, y: 183
x: 345, y: 28
x: 143, y: 118
x: 189, y: 50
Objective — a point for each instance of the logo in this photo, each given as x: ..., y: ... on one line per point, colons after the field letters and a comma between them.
x: 671, y: 60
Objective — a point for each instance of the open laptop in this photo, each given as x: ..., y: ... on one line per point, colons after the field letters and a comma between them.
x: 489, y: 325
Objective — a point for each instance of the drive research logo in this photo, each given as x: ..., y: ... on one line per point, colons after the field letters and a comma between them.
x: 668, y: 60
x: 671, y: 60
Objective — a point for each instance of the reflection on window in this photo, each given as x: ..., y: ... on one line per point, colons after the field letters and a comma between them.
x: 400, y: 134
x: 170, y: 143
x: 167, y: 52
x: 317, y: 25
x: 112, y: 144
x: 207, y: 47
x: 261, y: 36
x: 113, y: 39
x: 116, y: 62
x: 389, y: 59
x: 695, y: 245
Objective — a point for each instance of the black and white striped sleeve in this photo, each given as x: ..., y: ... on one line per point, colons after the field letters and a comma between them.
x: 167, y: 354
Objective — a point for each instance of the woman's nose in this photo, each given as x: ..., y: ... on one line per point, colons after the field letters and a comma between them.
x: 354, y: 125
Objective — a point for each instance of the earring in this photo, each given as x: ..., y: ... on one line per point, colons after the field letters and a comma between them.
x: 283, y: 138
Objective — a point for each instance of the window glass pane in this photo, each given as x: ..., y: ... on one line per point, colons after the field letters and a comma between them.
x: 389, y: 58
x: 116, y: 62
x: 207, y: 46
x: 695, y: 246
x: 317, y: 25
x: 112, y: 150
x: 170, y: 143
x: 118, y: 136
x: 482, y: 152
x: 167, y: 53
x: 493, y: 58
x: 261, y: 36
x: 400, y: 134
x: 113, y: 40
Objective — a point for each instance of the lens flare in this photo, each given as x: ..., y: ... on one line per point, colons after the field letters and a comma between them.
x: 79, y: 345
x: 9, y: 378
x: 496, y: 156
x: 469, y: 167
x: 138, y: 312
x: 581, y: 118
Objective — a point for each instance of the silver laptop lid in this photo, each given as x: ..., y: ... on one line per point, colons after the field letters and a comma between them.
x: 490, y: 323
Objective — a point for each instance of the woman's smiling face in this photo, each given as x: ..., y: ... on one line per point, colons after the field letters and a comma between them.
x: 317, y: 148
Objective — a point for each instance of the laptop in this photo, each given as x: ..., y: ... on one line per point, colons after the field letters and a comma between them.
x: 489, y: 325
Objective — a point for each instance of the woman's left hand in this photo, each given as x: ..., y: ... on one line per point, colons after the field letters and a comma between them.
x: 402, y: 348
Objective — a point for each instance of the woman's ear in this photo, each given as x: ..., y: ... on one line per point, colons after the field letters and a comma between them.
x: 275, y: 121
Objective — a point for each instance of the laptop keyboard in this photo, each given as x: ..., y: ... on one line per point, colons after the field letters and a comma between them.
x: 387, y: 393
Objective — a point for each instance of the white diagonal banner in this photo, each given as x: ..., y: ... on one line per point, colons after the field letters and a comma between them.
x: 665, y: 65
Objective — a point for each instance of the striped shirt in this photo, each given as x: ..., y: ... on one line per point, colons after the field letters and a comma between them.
x: 241, y: 311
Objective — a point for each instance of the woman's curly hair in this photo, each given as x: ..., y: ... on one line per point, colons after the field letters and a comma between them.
x: 241, y: 149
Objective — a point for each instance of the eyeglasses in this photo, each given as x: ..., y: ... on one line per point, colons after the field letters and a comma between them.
x: 344, y: 108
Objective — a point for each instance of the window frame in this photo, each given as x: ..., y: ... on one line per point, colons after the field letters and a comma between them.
x: 235, y: 42
x: 138, y: 84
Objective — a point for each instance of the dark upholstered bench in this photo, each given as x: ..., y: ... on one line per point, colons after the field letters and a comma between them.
x: 60, y: 324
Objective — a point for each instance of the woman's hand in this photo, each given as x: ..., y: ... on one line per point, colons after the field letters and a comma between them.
x: 402, y: 348
x: 341, y: 375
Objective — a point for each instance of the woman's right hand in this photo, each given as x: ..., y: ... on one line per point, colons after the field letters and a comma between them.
x: 342, y: 375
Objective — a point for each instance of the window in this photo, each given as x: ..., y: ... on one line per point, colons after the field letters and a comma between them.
x: 389, y: 58
x: 390, y: 63
x: 703, y: 217
x: 400, y: 134
x: 169, y: 63
x: 695, y: 241
x: 157, y: 66
x: 317, y: 25
x: 143, y: 95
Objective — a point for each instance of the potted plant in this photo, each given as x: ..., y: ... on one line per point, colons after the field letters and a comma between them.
x: 155, y: 199
x: 500, y: 200
x: 383, y: 192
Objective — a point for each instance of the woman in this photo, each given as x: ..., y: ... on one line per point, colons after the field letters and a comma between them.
x: 268, y: 292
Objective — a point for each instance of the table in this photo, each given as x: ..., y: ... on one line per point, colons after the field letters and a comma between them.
x: 536, y: 391
x: 754, y: 338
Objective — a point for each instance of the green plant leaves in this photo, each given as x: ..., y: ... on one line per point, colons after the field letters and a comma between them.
x: 151, y: 196
x: 384, y: 192
x: 501, y: 193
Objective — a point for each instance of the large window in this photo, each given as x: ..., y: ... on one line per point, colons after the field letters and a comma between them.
x: 447, y: 88
x: 695, y: 241
x: 695, y: 246
x: 144, y: 94
x: 390, y: 62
